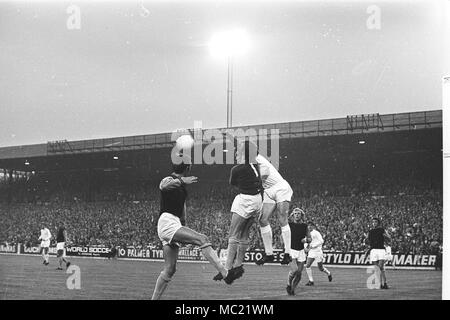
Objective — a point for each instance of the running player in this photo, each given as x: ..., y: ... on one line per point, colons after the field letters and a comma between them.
x: 314, y: 250
x: 376, y: 239
x: 45, y: 244
x: 172, y: 229
x: 277, y: 197
x: 246, y: 205
x: 299, y: 233
x: 61, y: 238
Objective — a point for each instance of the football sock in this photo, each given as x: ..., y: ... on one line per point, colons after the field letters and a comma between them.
x: 266, y: 235
x: 383, y: 277
x: 161, y: 285
x: 326, y: 271
x: 233, y: 246
x: 291, y: 277
x: 309, y: 273
x: 212, y: 257
x: 296, y: 280
x: 243, y: 246
x: 286, y: 234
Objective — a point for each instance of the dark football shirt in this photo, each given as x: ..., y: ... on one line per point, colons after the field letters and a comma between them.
x: 298, y: 232
x: 376, y: 238
x: 60, y: 235
x: 246, y: 177
x: 172, y: 201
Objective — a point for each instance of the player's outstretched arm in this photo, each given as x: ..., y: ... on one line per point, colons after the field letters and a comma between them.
x: 169, y: 183
x: 189, y: 180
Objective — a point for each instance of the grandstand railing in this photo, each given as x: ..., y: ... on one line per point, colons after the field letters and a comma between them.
x: 327, y: 127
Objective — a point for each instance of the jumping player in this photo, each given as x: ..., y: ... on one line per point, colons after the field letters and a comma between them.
x: 45, y: 244
x: 277, y: 197
x: 299, y: 233
x: 314, y: 250
x: 61, y: 238
x: 172, y: 229
x: 376, y: 239
x: 246, y: 205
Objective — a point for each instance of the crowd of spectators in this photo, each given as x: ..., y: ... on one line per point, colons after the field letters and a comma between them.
x: 128, y: 216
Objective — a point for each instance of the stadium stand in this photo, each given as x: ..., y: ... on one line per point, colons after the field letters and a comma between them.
x: 340, y: 180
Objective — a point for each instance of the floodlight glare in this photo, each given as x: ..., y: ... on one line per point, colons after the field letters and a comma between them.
x: 229, y: 43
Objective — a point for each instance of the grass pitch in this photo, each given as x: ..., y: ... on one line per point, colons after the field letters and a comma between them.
x: 25, y: 277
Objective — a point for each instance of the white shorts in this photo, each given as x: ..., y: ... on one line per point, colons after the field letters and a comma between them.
x: 316, y: 255
x: 168, y: 224
x: 61, y: 246
x: 298, y: 255
x: 278, y: 193
x: 247, y: 205
x: 377, y: 254
x: 45, y: 243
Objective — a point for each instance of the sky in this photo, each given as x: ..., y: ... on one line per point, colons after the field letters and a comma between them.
x: 137, y: 67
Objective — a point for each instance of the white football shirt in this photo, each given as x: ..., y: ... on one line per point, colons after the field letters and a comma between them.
x: 45, y: 234
x: 273, y: 177
x: 316, y: 240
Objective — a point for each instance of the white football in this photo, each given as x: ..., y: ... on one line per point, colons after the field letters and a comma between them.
x: 185, y: 142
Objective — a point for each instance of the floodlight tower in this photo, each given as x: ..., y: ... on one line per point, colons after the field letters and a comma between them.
x: 229, y: 44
